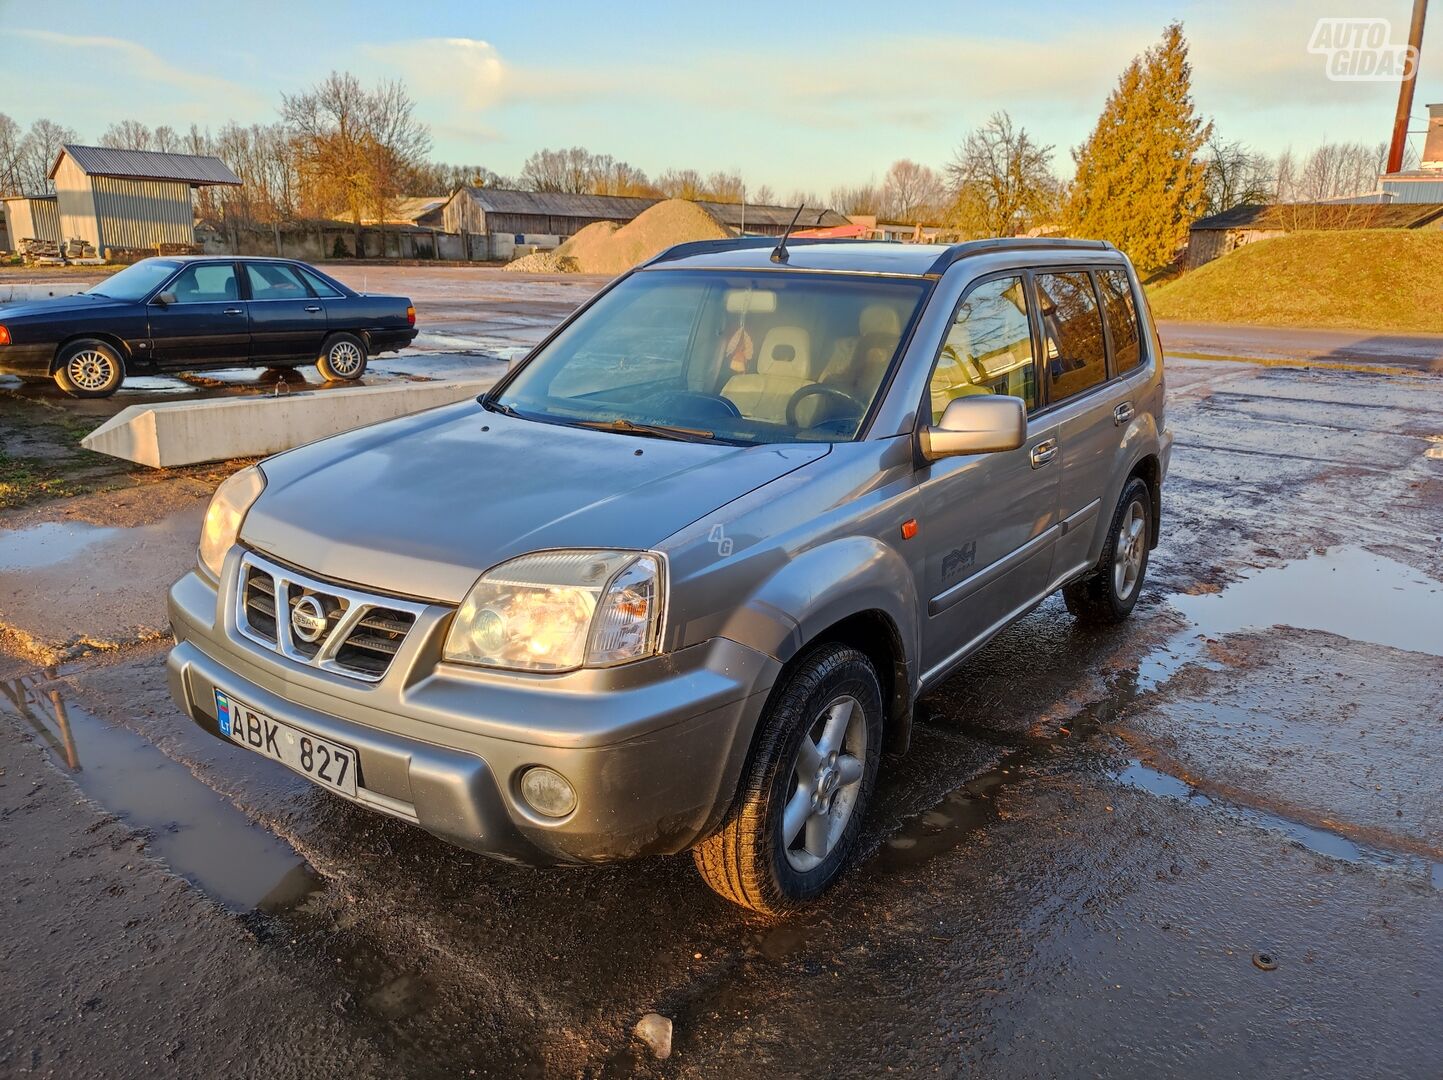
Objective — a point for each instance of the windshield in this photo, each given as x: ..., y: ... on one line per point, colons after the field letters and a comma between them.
x: 728, y: 356
x: 135, y: 282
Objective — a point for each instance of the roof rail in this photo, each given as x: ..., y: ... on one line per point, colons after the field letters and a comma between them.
x: 739, y: 243
x: 1013, y: 243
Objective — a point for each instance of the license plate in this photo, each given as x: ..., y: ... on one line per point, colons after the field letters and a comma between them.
x: 327, y: 763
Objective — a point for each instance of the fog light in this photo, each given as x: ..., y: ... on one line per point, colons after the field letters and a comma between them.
x: 548, y: 791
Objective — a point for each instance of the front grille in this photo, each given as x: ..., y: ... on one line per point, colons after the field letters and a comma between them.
x: 325, y: 625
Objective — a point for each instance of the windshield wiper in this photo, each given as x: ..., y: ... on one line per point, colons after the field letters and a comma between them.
x: 497, y: 406
x: 659, y: 431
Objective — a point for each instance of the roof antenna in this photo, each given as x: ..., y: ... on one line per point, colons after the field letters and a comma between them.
x: 779, y: 253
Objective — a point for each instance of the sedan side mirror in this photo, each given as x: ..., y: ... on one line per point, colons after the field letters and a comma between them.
x: 164, y: 299
x: 976, y: 424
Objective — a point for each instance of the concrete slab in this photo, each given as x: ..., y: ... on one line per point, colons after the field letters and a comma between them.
x: 20, y: 293
x: 164, y: 435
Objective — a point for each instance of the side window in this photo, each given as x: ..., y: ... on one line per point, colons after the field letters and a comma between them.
x: 318, y: 286
x: 1075, y: 357
x: 1121, y: 318
x: 988, y: 348
x: 272, y: 281
x: 206, y: 283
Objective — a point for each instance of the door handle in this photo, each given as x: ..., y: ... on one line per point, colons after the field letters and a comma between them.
x: 233, y: 311
x: 313, y: 308
x: 1123, y: 413
x: 1043, y: 452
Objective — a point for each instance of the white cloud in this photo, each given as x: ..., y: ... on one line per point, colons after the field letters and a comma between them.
x: 142, y: 63
x: 467, y: 68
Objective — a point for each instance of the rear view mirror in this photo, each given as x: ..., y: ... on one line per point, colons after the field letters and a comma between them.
x: 751, y: 301
x: 976, y: 424
x: 165, y: 299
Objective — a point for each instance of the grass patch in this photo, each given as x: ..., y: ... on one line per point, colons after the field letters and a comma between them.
x: 24, y: 480
x: 1366, y: 279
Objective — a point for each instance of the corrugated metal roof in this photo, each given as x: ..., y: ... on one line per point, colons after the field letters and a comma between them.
x: 148, y: 165
x: 1291, y: 216
x: 626, y: 207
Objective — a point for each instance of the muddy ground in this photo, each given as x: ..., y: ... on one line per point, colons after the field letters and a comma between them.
x: 1207, y: 843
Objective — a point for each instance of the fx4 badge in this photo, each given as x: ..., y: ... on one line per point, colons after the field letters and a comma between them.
x: 959, y: 559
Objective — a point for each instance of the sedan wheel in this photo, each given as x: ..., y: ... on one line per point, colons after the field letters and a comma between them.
x: 344, y: 358
x: 90, y: 369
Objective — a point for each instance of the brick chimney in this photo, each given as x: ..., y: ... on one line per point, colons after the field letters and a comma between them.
x: 1433, y: 144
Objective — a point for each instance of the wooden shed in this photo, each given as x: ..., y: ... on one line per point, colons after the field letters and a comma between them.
x: 131, y: 199
x: 1214, y: 236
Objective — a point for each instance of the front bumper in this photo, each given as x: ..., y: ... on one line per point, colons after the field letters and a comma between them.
x: 654, y: 749
x: 32, y: 360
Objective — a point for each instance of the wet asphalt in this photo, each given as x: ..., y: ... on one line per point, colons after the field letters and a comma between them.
x: 1206, y: 843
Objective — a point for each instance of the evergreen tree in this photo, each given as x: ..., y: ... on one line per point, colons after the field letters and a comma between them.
x: 1139, y: 181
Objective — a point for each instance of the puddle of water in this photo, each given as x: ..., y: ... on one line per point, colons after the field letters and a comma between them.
x: 1349, y: 591
x: 1317, y: 840
x: 49, y: 543
x: 195, y: 831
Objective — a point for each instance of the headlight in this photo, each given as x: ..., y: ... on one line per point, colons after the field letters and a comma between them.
x: 558, y: 610
x: 223, y: 517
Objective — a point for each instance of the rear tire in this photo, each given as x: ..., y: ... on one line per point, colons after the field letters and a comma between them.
x: 342, y: 359
x: 805, y: 793
x: 1108, y: 592
x: 89, y: 369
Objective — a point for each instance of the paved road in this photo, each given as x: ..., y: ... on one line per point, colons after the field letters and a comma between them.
x: 1421, y: 351
x: 1207, y: 843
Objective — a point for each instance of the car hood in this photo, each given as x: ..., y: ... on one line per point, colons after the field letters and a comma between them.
x: 55, y: 305
x: 422, y: 505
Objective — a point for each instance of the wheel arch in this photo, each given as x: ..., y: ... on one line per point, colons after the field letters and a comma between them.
x: 1149, y: 469
x: 113, y: 340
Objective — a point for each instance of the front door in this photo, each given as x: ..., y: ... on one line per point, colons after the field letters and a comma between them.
x: 207, y: 323
x: 287, y: 322
x: 990, y: 519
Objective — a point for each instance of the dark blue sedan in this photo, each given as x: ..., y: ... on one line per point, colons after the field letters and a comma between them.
x: 197, y: 312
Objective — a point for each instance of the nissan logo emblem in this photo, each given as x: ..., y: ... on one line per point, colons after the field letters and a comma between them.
x: 308, y: 619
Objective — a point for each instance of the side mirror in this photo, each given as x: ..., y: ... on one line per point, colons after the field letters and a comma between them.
x: 164, y: 299
x: 976, y: 424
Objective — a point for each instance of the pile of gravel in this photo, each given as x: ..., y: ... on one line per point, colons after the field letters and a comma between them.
x: 608, y: 248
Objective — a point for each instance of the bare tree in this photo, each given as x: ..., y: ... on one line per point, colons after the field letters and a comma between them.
x: 762, y: 195
x: 354, y: 146
x: 912, y: 192
x: 724, y: 187
x: 128, y: 135
x: 681, y: 184
x: 1001, y: 180
x: 1236, y: 175
x: 861, y: 199
x: 38, y: 151
x: 612, y: 177
x: 10, y: 141
x: 165, y: 140
x: 558, y: 170
x: 1331, y: 171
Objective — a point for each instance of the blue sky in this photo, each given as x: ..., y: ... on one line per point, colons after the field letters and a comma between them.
x: 792, y: 95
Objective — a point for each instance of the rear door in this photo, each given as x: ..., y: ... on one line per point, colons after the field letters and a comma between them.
x: 990, y: 519
x: 287, y: 321
x: 207, y: 323
x: 1084, y: 402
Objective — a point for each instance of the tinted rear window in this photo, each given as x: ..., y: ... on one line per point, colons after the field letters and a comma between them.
x: 1074, y: 352
x: 1121, y: 318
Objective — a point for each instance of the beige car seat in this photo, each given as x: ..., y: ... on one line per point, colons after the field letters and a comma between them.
x: 857, y: 364
x: 784, y: 366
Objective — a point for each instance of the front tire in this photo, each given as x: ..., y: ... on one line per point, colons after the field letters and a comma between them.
x: 1108, y: 592
x: 342, y: 359
x: 805, y: 793
x: 89, y: 369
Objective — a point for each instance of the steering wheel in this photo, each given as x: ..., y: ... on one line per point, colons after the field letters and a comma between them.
x: 825, y: 391
x: 702, y: 406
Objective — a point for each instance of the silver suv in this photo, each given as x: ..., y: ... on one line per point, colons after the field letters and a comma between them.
x: 676, y: 582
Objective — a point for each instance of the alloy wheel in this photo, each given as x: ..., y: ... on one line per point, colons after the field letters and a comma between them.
x: 826, y: 780
x: 345, y: 358
x: 1131, y: 550
x: 90, y: 369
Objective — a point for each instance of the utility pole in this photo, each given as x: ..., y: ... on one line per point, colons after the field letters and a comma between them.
x: 1405, y: 92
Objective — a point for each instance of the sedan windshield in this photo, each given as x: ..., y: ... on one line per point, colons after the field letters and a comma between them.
x: 721, y: 355
x: 135, y: 282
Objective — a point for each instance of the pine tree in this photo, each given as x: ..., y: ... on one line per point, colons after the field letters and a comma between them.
x: 1139, y: 181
